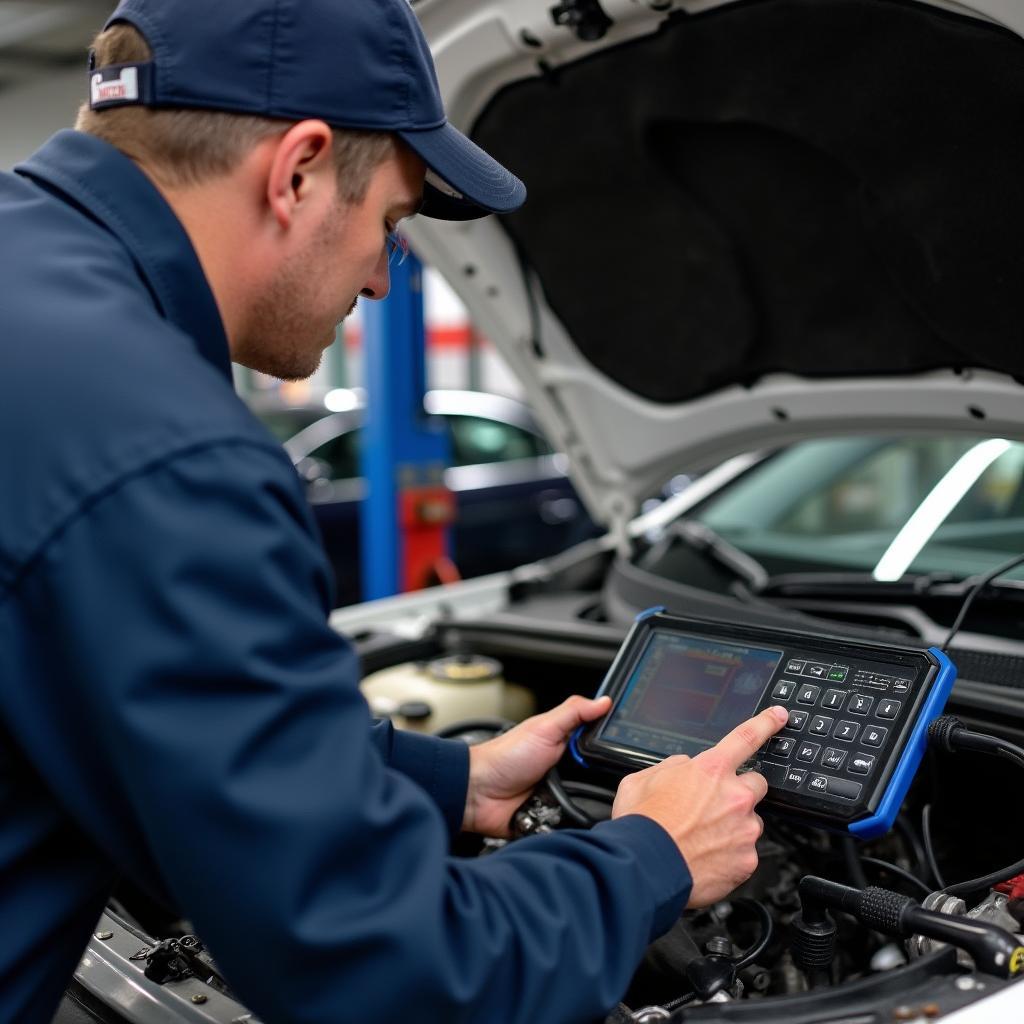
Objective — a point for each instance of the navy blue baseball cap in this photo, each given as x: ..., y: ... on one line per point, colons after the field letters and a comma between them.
x: 352, y: 63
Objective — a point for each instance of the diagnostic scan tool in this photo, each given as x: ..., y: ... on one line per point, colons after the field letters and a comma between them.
x: 858, y: 712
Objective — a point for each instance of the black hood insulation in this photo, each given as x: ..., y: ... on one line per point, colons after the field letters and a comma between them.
x: 823, y: 187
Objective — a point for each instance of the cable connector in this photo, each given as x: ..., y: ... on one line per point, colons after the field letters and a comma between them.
x: 949, y: 735
x: 994, y: 950
x: 940, y: 732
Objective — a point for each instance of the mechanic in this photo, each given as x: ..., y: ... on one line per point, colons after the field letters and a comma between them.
x: 174, y: 708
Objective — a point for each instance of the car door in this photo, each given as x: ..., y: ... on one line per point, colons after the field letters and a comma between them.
x: 335, y: 490
x: 515, y: 504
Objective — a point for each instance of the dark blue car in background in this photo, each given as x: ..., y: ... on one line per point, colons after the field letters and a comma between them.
x: 514, y: 502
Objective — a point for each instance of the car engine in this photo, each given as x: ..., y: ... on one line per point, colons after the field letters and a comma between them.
x: 828, y: 930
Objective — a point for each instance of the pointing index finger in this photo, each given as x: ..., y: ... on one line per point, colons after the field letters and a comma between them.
x: 744, y: 741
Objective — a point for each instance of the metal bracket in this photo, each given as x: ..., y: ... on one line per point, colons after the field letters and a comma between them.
x: 584, y: 17
x: 177, y: 959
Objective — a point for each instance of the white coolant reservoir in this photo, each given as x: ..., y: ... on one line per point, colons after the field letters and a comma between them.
x: 429, y: 696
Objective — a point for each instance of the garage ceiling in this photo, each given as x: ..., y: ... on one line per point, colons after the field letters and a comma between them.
x: 39, y: 36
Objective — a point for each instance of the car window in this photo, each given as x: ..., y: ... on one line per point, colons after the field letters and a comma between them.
x: 883, y: 505
x: 474, y: 440
x: 284, y: 424
x: 340, y: 455
x: 477, y: 440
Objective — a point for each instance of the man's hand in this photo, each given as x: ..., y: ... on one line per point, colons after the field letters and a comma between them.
x: 707, y: 808
x: 503, y: 771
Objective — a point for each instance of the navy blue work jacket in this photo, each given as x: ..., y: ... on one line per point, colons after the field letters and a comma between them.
x: 173, y: 705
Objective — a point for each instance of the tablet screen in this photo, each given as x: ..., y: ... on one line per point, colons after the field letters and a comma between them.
x: 686, y: 692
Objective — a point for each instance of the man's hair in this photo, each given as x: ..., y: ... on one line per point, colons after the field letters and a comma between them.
x: 181, y: 147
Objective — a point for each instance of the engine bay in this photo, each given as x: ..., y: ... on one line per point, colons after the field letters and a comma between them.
x: 742, y: 959
x: 749, y: 957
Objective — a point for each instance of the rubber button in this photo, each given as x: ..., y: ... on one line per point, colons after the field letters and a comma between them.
x: 797, y: 720
x: 783, y: 689
x: 859, y: 704
x: 844, y: 788
x: 807, y: 752
x: 889, y: 708
x: 820, y: 725
x: 818, y: 784
x: 846, y: 731
x: 874, y: 736
x: 826, y: 784
x: 833, y: 758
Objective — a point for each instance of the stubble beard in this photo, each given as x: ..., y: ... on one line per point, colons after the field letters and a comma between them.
x: 281, y: 341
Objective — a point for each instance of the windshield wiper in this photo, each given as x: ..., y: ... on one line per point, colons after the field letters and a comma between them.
x: 864, y: 586
x: 700, y: 537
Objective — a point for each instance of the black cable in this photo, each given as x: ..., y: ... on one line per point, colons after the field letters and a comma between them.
x: 854, y: 868
x: 748, y: 956
x: 949, y: 735
x: 899, y: 872
x: 586, y: 789
x: 576, y: 814
x: 975, y: 590
x: 966, y: 739
x: 926, y: 829
x: 909, y: 835
x: 767, y: 930
x: 1009, y: 753
x: 985, y: 881
x: 597, y: 794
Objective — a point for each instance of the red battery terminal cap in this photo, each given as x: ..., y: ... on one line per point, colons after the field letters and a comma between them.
x: 1014, y: 888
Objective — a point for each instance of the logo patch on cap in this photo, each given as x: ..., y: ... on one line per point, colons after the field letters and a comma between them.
x: 114, y: 85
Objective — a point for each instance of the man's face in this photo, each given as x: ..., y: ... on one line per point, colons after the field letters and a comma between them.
x: 294, y: 317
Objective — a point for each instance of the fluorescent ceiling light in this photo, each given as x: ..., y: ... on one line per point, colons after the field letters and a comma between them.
x: 932, y: 512
x: 342, y: 400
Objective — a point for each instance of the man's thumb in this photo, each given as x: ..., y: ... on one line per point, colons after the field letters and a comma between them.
x: 572, y: 713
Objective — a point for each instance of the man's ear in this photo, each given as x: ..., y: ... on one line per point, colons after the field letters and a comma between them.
x: 301, y: 170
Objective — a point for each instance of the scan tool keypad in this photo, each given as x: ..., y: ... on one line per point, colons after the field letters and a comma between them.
x: 857, y: 711
x: 840, y: 717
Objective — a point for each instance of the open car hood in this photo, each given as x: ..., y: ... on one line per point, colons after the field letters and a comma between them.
x: 749, y: 221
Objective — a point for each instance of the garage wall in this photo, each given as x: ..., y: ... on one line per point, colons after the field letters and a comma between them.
x: 32, y: 111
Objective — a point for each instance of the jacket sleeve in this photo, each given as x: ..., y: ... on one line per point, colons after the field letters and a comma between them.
x: 201, y: 722
x: 441, y: 767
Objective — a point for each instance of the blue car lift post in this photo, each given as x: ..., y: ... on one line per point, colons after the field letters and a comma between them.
x: 405, y: 514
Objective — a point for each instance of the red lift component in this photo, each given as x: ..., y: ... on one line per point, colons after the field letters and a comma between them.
x: 424, y: 515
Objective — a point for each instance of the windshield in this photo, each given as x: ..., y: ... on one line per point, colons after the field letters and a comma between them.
x: 285, y: 423
x: 884, y: 506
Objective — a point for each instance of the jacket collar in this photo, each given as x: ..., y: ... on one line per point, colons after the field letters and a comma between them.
x: 111, y: 187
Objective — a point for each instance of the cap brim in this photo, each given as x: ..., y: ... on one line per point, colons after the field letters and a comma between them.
x: 476, y: 183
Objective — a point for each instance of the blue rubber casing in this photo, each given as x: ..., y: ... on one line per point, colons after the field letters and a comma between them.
x: 888, y: 807
x: 574, y: 748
